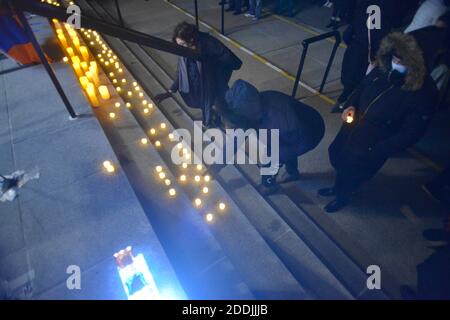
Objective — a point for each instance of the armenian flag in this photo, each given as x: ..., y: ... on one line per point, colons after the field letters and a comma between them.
x: 14, y: 41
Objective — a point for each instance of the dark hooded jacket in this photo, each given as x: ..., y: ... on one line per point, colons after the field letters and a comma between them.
x: 392, y: 111
x: 301, y: 128
x: 215, y: 71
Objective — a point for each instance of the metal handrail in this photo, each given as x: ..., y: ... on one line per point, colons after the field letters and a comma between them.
x: 50, y: 11
x: 332, y: 34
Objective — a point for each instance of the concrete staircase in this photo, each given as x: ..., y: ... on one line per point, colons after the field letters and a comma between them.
x: 261, y: 247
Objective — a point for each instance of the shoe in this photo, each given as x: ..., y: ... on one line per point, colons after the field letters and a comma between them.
x: 433, y: 192
x: 327, y: 192
x: 286, y: 177
x: 336, y: 205
x: 237, y: 13
x: 249, y: 15
x: 267, y: 190
x: 337, y: 108
x: 255, y: 19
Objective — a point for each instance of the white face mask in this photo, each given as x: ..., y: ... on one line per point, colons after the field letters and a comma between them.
x: 399, y: 67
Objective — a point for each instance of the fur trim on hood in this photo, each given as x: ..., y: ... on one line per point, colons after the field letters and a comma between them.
x: 406, y: 48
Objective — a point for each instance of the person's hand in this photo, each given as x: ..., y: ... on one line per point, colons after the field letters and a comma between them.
x: 348, y: 115
x: 162, y: 96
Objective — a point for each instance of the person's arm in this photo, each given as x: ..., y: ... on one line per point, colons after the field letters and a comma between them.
x: 412, y: 130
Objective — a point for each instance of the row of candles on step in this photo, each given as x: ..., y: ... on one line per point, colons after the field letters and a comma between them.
x: 85, y: 68
x: 87, y: 71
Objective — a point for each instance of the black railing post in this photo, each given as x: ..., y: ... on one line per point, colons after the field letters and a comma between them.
x: 45, y: 63
x: 119, y: 13
x: 306, y: 43
x: 330, y: 61
x: 300, y: 69
x: 222, y: 27
x: 196, y: 14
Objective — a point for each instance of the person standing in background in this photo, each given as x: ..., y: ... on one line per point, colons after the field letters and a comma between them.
x: 428, y: 14
x: 362, y: 45
x: 255, y: 10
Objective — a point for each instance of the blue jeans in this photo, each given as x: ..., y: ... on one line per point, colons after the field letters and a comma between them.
x: 255, y: 8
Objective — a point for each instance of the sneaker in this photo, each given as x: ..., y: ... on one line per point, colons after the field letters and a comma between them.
x: 249, y: 15
x: 255, y: 18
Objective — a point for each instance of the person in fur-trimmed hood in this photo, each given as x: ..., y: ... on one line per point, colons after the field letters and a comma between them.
x: 387, y: 113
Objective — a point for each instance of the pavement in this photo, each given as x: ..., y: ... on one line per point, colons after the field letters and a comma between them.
x: 74, y: 214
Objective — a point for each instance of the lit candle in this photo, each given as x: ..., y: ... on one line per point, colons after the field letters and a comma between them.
x: 167, y: 182
x: 90, y: 90
x: 205, y: 190
x: 172, y: 192
x: 199, y: 167
x: 76, y: 42
x: 117, y: 104
x: 158, y: 168
x: 94, y: 66
x: 146, y: 110
x: 197, y: 178
x: 152, y: 131
x: 112, y: 115
x: 144, y: 141
x: 183, y: 178
x: 92, y: 76
x: 84, y: 82
x: 349, y: 119
x: 207, y: 178
x: 222, y: 206
x: 62, y: 39
x: 84, y: 66
x: 209, y: 217
x: 162, y: 175
x: 163, y: 125
x: 157, y: 144
x: 198, y: 202
x: 171, y: 136
x: 77, y: 68
x: 184, y: 165
x: 70, y: 51
x: 128, y: 105
x: 104, y: 92
x: 108, y: 166
x: 84, y: 53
